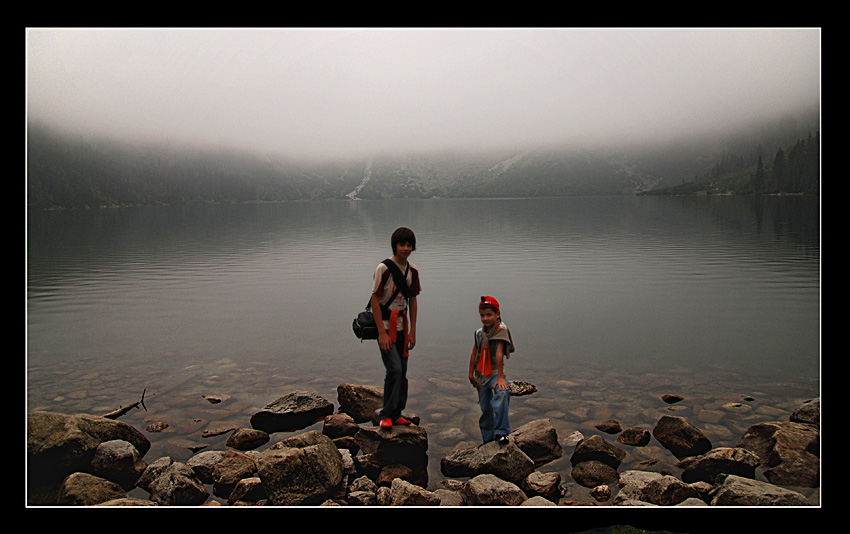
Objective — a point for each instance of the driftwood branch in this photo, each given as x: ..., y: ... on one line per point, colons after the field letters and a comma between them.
x: 121, y: 411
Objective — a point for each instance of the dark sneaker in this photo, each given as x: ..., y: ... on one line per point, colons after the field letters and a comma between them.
x: 502, y: 440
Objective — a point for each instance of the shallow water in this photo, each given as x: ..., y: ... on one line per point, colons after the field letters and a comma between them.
x: 613, y: 302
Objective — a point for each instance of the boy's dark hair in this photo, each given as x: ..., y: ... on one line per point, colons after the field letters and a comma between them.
x: 490, y: 307
x: 403, y: 235
x: 490, y: 303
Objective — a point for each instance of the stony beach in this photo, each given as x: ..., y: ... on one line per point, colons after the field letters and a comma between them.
x: 199, y: 410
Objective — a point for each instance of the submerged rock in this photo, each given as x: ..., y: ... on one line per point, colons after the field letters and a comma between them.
x: 636, y: 437
x: 246, y: 439
x: 609, y: 426
x: 680, y: 437
x: 672, y: 398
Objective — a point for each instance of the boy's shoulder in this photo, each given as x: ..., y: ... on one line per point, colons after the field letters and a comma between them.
x: 502, y: 328
x: 383, y: 265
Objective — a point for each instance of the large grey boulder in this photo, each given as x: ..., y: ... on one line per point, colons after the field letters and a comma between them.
x: 680, y: 437
x: 59, y: 444
x: 247, y: 490
x: 537, y: 500
x: 406, y: 445
x: 507, y: 462
x: 119, y: 461
x: 546, y: 485
x: 153, y: 470
x: 539, y: 440
x: 294, y: 411
x: 490, y: 490
x: 227, y: 472
x: 632, y: 484
x: 397, y: 452
x: 668, y: 491
x: 789, y: 452
x: 808, y: 412
x: 359, y: 401
x: 403, y: 493
x: 740, y: 491
x: 595, y: 462
x: 301, y: 470
x: 203, y: 464
x: 84, y: 489
x: 340, y: 425
x: 177, y: 485
x: 592, y: 473
x: 597, y: 448
x: 728, y: 460
x: 127, y: 501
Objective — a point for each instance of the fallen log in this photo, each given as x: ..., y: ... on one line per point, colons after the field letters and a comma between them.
x: 121, y: 411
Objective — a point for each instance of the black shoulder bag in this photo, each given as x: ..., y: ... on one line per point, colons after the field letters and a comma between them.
x: 364, y: 324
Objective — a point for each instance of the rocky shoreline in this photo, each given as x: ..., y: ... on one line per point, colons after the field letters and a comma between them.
x: 82, y: 460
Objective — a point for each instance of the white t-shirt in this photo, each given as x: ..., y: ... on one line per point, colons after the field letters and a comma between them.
x: 383, y: 286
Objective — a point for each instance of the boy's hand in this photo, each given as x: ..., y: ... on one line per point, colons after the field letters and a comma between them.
x: 384, y: 341
x: 501, y: 384
x: 473, y: 381
x: 411, y: 340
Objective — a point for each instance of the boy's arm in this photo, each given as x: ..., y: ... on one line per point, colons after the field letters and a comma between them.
x: 500, y: 366
x: 472, y: 379
x: 411, y: 341
x: 383, y: 337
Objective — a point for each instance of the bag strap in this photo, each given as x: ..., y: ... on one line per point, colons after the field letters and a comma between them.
x: 399, y: 278
x: 400, y: 284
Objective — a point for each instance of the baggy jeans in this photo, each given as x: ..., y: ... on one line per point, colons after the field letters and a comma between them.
x: 494, y: 404
x: 395, y: 380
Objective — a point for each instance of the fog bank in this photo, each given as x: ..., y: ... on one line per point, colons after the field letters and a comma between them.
x: 342, y: 91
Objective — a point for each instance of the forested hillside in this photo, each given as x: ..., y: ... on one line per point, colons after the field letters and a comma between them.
x: 68, y: 171
x: 793, y: 170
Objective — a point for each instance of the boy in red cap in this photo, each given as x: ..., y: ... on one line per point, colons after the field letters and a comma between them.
x: 493, y: 344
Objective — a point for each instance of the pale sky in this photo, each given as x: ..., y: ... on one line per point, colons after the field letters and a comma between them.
x: 359, y: 89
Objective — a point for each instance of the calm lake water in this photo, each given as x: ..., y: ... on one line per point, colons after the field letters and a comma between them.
x: 612, y: 302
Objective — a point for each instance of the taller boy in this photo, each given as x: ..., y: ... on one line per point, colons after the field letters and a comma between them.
x: 396, y: 321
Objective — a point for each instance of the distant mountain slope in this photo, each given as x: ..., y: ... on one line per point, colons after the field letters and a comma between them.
x: 66, y: 171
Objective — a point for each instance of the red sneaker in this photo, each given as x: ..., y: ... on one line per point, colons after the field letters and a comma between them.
x: 386, y: 422
x: 401, y: 421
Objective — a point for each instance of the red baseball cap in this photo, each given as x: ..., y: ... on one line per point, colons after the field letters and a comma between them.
x: 491, y: 301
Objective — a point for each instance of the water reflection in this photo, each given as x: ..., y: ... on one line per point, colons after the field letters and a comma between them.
x: 611, y: 300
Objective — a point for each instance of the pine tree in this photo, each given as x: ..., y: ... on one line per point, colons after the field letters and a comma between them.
x: 758, y: 180
x: 780, y: 172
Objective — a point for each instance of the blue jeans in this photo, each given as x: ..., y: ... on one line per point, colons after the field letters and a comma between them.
x: 494, y: 404
x: 395, y: 380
